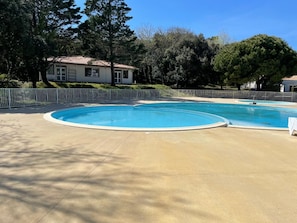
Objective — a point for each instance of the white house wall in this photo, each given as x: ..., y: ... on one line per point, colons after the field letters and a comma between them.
x: 128, y: 80
x: 287, y: 84
x: 249, y: 85
x: 104, y: 74
x: 79, y: 70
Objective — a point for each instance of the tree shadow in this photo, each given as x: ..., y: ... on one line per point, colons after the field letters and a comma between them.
x: 70, y: 182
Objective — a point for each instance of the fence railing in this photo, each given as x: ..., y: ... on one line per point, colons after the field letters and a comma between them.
x: 21, y: 97
x: 254, y: 95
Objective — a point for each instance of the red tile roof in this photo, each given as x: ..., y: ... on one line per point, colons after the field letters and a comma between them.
x: 292, y: 78
x: 87, y: 61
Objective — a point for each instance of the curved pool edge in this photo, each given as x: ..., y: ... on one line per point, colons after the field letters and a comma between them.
x: 220, y: 123
x: 48, y: 117
x: 257, y: 127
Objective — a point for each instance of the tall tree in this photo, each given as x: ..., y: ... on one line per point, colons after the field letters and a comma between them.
x: 14, y: 21
x: 31, y: 31
x: 108, y: 21
x: 215, y: 45
x: 179, y: 57
x: 51, y: 27
x: 261, y: 58
x: 271, y: 59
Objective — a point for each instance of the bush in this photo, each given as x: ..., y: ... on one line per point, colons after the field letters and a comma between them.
x: 5, y: 82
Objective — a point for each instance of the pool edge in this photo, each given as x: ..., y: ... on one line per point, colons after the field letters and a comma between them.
x: 48, y: 116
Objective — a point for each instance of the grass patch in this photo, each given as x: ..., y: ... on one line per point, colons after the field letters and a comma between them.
x: 100, y: 86
x: 6, y: 82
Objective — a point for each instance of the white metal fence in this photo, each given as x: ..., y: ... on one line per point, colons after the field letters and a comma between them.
x: 21, y: 97
x: 254, y: 95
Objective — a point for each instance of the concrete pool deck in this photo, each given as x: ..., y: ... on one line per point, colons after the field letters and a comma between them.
x: 54, y: 173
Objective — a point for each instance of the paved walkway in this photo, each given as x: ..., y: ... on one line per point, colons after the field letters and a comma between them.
x: 54, y: 173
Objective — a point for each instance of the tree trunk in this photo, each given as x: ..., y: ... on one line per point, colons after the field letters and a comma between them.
x: 34, y: 78
x: 33, y: 74
x: 34, y: 84
x: 44, y: 79
x: 146, y: 71
x: 258, y: 85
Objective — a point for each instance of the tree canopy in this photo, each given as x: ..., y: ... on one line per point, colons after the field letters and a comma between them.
x: 261, y: 58
x: 178, y: 58
x: 32, y: 31
x: 12, y: 28
x: 107, y: 21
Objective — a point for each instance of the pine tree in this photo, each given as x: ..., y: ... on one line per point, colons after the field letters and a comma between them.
x: 107, y: 19
x: 51, y: 24
x: 12, y: 29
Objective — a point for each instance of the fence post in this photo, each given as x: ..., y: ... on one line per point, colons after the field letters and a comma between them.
x: 9, y: 98
x: 57, y: 95
x: 36, y: 97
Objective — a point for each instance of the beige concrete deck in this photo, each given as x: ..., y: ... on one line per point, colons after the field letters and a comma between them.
x: 54, y: 173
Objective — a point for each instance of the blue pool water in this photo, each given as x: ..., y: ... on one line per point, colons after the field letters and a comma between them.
x: 240, y: 114
x: 177, y: 115
x: 138, y: 117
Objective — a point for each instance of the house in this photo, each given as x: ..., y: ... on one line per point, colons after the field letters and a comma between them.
x: 86, y: 69
x: 250, y: 86
x: 289, y: 84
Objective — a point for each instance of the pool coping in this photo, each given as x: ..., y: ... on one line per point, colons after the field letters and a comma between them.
x: 258, y: 127
x: 48, y: 117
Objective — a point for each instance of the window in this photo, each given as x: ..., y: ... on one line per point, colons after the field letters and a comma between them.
x: 125, y: 74
x: 91, y: 72
x: 61, y: 72
x: 118, y: 76
x: 88, y: 72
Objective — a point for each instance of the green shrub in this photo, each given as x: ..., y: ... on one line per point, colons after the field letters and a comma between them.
x: 5, y: 82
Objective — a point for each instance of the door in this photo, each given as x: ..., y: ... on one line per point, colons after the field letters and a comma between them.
x: 118, y: 77
x: 61, y: 72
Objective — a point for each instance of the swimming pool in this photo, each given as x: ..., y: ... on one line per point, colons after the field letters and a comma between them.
x: 239, y: 115
x: 175, y: 116
x: 136, y: 118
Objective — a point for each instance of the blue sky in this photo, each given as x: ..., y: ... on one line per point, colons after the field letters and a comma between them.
x: 238, y: 19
